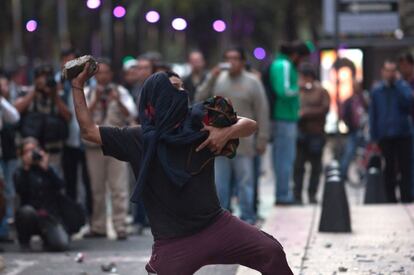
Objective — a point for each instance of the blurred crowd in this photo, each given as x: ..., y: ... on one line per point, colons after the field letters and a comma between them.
x: 54, y: 183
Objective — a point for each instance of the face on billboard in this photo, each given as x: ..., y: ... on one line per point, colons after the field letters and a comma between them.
x: 339, y: 82
x: 344, y: 79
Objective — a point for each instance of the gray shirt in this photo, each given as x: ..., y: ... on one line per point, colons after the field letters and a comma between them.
x: 248, y: 97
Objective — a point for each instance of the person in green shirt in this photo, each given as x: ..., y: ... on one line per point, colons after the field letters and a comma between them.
x: 284, y: 82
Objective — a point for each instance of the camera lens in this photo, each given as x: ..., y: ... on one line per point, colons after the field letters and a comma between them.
x: 36, y: 156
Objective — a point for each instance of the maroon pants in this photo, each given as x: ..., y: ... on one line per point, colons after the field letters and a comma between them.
x: 227, y: 241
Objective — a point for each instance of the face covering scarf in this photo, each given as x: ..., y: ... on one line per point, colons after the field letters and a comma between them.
x: 166, y: 120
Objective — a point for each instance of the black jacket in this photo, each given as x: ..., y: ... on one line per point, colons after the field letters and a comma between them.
x: 39, y: 188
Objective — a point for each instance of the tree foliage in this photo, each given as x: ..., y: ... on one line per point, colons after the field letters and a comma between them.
x: 250, y: 23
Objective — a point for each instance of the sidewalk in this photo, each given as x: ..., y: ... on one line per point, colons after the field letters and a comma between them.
x: 381, y: 242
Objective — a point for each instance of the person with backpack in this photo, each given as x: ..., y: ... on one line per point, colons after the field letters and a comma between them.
x: 44, y: 114
x: 44, y: 210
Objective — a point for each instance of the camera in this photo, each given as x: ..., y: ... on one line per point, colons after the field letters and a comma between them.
x: 106, y: 91
x: 36, y: 156
x: 225, y: 66
x: 50, y: 81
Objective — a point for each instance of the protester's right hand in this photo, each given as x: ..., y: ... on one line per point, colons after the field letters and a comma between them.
x: 80, y: 80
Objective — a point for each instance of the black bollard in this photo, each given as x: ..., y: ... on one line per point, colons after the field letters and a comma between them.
x: 374, y: 191
x: 331, y: 173
x: 332, y: 166
x: 335, y: 216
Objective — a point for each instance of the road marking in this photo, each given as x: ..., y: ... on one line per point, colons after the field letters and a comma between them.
x: 21, y: 265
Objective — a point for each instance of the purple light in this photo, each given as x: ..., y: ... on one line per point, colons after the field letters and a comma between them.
x: 119, y: 11
x: 152, y: 17
x: 259, y: 53
x: 179, y: 24
x: 31, y: 25
x: 93, y: 4
x: 219, y: 26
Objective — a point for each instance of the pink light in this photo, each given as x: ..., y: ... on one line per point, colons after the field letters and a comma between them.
x: 219, y: 26
x: 152, y: 17
x: 179, y: 24
x: 93, y: 4
x: 119, y: 11
x: 31, y: 25
x: 259, y: 53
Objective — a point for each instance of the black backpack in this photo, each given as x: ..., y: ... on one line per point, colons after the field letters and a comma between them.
x: 46, y: 127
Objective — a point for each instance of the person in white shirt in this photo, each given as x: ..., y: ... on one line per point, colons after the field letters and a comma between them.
x: 110, y: 105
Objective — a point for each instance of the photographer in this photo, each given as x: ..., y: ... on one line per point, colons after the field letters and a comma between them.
x: 8, y: 119
x: 44, y: 114
x: 39, y: 188
x: 110, y: 105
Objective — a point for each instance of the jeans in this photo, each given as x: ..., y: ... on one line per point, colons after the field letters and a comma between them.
x: 284, y: 151
x: 52, y: 232
x: 257, y: 172
x: 242, y: 168
x: 8, y: 167
x: 412, y: 166
x: 352, y: 141
x: 305, y: 153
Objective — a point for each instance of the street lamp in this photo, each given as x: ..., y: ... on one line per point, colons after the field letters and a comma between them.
x: 219, y: 26
x: 179, y: 24
x: 31, y: 25
x: 93, y: 4
x: 259, y: 53
x: 119, y: 11
x: 152, y: 16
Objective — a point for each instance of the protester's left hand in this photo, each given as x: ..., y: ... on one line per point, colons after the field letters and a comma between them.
x: 217, y: 139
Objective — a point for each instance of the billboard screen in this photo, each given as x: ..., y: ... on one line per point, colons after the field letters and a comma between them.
x: 329, y: 80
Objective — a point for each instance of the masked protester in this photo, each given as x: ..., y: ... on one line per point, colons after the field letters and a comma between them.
x: 172, y: 157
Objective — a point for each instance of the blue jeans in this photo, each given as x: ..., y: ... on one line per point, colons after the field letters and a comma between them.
x: 284, y: 152
x: 242, y: 169
x: 8, y: 168
x: 412, y: 167
x: 352, y: 141
x: 256, y: 176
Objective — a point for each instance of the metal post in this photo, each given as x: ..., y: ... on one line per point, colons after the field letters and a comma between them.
x: 338, y: 103
x: 62, y: 24
x: 17, y: 24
